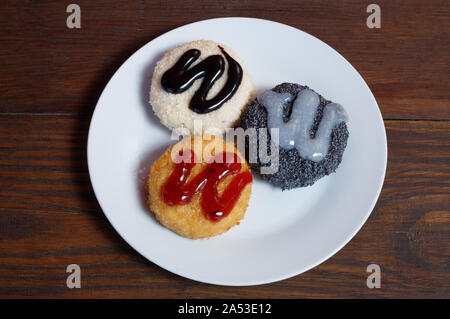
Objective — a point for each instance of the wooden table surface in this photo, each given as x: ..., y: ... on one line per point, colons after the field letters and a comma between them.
x: 51, y: 77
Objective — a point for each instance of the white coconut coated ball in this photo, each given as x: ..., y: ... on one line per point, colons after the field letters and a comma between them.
x: 173, y: 108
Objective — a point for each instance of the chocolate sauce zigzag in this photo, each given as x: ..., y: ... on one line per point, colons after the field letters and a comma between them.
x: 180, y: 77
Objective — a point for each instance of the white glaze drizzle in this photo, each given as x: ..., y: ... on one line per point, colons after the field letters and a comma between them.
x: 295, y: 132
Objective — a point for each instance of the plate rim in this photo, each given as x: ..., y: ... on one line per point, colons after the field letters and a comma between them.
x: 347, y: 239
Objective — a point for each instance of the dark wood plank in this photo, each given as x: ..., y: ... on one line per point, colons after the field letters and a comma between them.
x: 49, y: 219
x: 46, y: 67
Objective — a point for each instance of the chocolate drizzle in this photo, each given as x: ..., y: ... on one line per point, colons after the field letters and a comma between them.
x: 180, y: 77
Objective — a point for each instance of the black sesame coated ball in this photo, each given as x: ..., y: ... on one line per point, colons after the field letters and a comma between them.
x: 295, y: 171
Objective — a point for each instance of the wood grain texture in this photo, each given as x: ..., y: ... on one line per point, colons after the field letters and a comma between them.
x: 49, y: 218
x: 51, y: 78
x: 55, y: 69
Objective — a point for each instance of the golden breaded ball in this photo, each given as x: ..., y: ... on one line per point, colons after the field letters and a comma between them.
x: 188, y: 220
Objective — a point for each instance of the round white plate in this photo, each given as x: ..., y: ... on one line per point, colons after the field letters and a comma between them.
x: 283, y: 233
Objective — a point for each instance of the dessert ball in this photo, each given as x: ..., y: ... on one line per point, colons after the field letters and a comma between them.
x: 312, y: 134
x: 200, y: 80
x: 200, y: 187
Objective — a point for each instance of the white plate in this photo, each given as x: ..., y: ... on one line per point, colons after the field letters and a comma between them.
x: 283, y: 233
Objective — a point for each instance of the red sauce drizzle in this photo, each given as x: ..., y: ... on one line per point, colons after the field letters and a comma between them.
x: 177, y: 191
